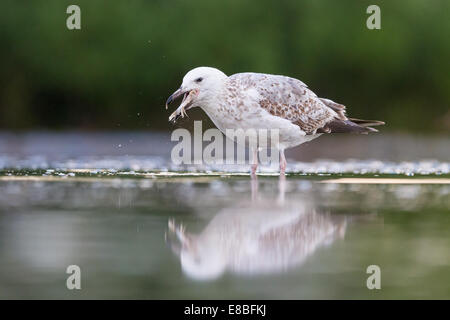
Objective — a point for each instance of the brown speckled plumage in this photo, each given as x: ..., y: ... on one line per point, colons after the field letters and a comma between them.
x: 291, y: 99
x: 263, y: 102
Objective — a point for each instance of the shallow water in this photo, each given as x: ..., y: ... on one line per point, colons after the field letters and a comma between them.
x: 141, y: 228
x: 304, y: 238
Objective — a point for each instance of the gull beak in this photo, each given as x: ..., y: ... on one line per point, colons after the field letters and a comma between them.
x: 186, y: 104
x: 173, y: 97
x: 184, y: 240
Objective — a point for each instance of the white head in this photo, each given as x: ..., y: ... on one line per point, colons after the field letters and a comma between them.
x: 202, y: 262
x: 201, y: 258
x: 199, y: 87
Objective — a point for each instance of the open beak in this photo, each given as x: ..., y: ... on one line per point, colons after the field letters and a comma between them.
x: 186, y: 104
x: 173, y: 97
x: 177, y: 237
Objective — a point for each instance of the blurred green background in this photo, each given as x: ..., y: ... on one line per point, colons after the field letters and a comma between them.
x: 117, y: 71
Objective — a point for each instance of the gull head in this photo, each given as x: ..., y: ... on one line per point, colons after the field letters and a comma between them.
x: 200, y: 260
x: 199, y: 87
x: 202, y: 263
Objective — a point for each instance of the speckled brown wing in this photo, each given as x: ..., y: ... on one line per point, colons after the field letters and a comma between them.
x: 289, y: 99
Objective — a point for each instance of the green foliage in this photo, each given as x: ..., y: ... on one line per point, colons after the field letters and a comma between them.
x: 129, y: 56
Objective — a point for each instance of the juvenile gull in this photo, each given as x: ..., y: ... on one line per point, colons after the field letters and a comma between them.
x: 257, y: 239
x: 264, y: 101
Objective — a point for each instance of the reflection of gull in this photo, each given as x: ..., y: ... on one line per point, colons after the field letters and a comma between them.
x: 261, y: 238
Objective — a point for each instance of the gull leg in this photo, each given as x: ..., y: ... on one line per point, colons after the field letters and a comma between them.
x: 254, y: 161
x: 281, y: 188
x: 254, y: 187
x: 283, y: 162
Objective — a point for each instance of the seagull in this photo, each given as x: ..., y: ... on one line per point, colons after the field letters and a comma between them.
x: 264, y: 101
x: 254, y: 239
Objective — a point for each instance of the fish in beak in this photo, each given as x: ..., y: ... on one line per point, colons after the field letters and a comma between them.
x: 177, y: 237
x: 186, y: 103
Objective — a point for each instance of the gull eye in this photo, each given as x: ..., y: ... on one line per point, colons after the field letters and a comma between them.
x: 199, y: 80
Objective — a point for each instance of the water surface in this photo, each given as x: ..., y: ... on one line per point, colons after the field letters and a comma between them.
x: 142, y: 228
x: 304, y: 238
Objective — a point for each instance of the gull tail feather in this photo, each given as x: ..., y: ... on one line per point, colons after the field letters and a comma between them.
x: 366, y: 123
x: 350, y: 125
